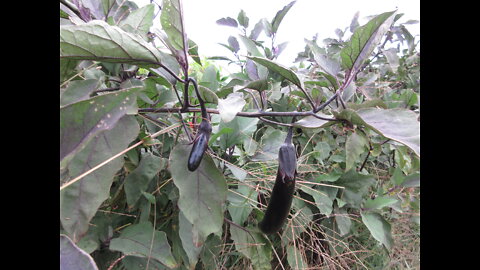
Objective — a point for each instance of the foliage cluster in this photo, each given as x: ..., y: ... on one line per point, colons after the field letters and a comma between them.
x: 128, y: 115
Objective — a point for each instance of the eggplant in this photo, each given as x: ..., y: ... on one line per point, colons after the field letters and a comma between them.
x: 200, y: 144
x: 283, y: 189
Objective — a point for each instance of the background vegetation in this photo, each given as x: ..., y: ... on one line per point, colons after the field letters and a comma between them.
x: 127, y: 117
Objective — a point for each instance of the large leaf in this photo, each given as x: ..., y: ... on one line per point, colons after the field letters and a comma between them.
x: 141, y: 240
x: 81, y: 121
x: 137, y: 181
x: 202, y: 192
x: 80, y: 201
x: 77, y: 91
x: 378, y: 227
x: 285, y: 72
x: 364, y: 40
x: 97, y: 40
x: 172, y: 23
x: 72, y: 257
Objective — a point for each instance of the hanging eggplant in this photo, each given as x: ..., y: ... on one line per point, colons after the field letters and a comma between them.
x: 282, y: 193
x: 200, y: 142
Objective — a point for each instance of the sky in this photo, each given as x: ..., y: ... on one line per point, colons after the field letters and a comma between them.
x: 305, y: 19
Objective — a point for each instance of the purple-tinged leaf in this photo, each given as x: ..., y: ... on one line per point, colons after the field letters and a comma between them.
x: 72, y: 257
x: 365, y: 39
x: 227, y: 21
x: 232, y: 41
x: 81, y: 121
x: 279, y: 16
x: 80, y: 201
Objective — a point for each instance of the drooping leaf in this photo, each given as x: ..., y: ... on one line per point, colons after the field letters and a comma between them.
x: 202, y: 192
x: 72, y: 257
x: 80, y: 201
x: 379, y: 228
x: 354, y: 147
x: 364, y: 40
x: 81, y: 121
x: 99, y: 41
x: 279, y: 16
x: 141, y: 240
x: 137, y: 181
x: 187, y: 237
x: 285, y: 72
x: 172, y: 23
x: 230, y: 106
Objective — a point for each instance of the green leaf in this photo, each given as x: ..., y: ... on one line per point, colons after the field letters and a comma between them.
x: 252, y: 48
x: 253, y: 246
x: 314, y: 122
x: 397, y: 124
x: 285, y: 72
x: 207, y: 95
x: 139, y: 21
x: 279, y: 17
x: 138, y: 180
x: 78, y: 91
x: 400, y: 125
x: 379, y: 228
x: 72, y: 257
x: 242, y: 18
x: 229, y: 107
x: 295, y: 258
x: 242, y: 127
x: 354, y: 147
x: 99, y: 41
x: 80, y: 201
x: 202, y: 192
x: 379, y: 202
x: 412, y: 180
x: 141, y: 240
x: 355, y: 185
x: 364, y: 40
x: 190, y: 244
x: 271, y: 141
x: 343, y: 221
x: 240, y: 201
x: 81, y: 121
x: 323, y: 197
x: 171, y: 19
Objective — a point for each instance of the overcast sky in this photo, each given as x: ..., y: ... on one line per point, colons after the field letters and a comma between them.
x: 304, y: 20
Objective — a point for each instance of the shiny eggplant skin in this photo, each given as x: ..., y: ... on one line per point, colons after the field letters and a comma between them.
x: 278, y: 206
x: 199, y: 145
x: 282, y: 193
